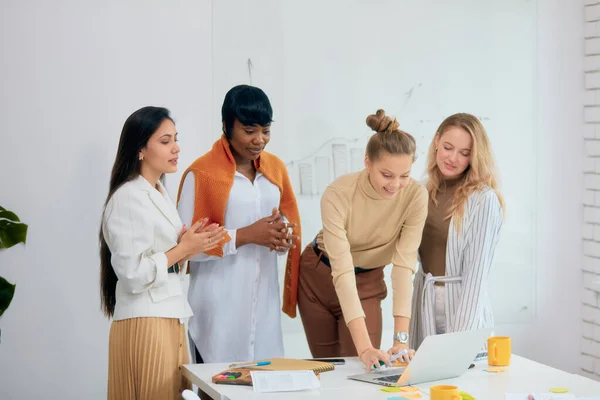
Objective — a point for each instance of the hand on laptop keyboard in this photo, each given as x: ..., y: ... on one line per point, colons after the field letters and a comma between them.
x: 401, y: 351
x: 373, y: 357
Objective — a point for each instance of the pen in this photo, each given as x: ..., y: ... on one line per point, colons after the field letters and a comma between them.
x: 257, y: 364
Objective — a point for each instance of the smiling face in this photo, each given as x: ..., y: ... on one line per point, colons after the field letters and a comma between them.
x: 453, y: 153
x: 161, y: 153
x: 248, y: 141
x: 389, y: 173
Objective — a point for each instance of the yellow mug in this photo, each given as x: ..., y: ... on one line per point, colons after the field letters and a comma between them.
x: 499, y: 351
x: 444, y: 392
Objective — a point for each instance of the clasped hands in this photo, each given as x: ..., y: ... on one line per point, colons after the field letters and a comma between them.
x: 272, y: 232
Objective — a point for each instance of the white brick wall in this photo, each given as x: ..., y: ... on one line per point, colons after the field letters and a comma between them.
x: 590, y: 297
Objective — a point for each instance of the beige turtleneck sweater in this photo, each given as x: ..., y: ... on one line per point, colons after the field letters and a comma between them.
x: 362, y: 229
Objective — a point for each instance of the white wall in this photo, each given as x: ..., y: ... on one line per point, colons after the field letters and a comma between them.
x: 354, y: 59
x: 70, y: 75
x: 590, y: 342
x: 553, y: 337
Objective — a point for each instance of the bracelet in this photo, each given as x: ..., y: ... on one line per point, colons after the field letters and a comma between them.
x: 364, y: 351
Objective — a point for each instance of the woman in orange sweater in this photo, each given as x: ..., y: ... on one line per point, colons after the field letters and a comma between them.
x: 239, y: 185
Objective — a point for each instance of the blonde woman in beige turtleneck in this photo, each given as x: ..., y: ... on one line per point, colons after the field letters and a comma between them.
x: 370, y: 219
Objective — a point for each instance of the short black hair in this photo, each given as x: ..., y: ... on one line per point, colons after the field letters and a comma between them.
x: 249, y: 105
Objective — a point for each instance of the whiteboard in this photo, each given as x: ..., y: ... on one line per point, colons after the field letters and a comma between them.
x: 326, y: 65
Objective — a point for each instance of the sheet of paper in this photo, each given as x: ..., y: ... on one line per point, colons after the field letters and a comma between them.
x: 539, y: 396
x: 284, y: 381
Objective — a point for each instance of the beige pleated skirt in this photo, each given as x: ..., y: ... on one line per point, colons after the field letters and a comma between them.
x: 145, y: 357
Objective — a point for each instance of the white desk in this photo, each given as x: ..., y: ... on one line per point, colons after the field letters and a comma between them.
x: 523, y: 375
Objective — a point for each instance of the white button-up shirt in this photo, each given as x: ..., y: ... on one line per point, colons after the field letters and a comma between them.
x: 236, y: 298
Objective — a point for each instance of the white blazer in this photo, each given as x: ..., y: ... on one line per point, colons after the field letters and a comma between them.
x: 469, y: 258
x: 140, y: 224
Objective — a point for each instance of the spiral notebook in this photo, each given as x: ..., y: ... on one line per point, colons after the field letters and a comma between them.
x: 241, y: 376
x: 292, y: 364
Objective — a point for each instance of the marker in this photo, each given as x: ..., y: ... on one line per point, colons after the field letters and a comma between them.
x: 394, y: 357
x: 257, y: 364
x: 398, y: 355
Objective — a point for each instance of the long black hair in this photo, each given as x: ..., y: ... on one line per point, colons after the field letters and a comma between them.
x: 138, y: 128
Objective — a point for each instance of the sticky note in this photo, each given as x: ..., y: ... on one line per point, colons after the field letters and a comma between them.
x: 466, y: 396
x: 391, y: 389
x: 411, y: 396
x: 494, y: 369
x: 559, y: 390
x: 403, y: 389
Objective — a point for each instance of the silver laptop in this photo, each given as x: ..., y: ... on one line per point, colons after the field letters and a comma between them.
x: 439, y: 357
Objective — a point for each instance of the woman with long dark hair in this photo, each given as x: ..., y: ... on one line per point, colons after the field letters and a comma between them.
x: 143, y: 253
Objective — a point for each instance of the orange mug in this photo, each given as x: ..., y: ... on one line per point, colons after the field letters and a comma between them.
x: 499, y: 351
x: 444, y: 392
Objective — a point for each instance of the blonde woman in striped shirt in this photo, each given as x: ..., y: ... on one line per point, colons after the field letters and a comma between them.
x: 460, y: 235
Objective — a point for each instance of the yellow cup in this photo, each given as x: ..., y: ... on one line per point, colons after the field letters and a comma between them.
x: 444, y: 392
x: 499, y: 351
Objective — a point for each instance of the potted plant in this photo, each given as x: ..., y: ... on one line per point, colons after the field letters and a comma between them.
x: 12, y: 232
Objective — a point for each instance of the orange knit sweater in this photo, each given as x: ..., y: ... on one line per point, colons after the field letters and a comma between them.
x: 214, y: 172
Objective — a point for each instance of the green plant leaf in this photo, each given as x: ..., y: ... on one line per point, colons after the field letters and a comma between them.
x: 4, y: 213
x: 7, y: 291
x: 12, y: 231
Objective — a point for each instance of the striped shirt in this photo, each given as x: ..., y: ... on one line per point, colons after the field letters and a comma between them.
x: 469, y: 257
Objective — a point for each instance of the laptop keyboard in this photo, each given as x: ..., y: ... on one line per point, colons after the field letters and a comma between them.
x: 389, y: 378
x: 394, y: 378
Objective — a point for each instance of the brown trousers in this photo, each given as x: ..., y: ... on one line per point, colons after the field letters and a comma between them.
x: 324, y: 325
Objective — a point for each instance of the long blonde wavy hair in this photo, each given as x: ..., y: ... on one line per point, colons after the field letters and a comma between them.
x: 481, y: 171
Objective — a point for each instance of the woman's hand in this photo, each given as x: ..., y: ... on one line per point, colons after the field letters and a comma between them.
x: 183, y: 231
x: 371, y: 357
x: 402, y: 348
x: 285, y: 243
x: 201, y: 238
x: 270, y: 232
